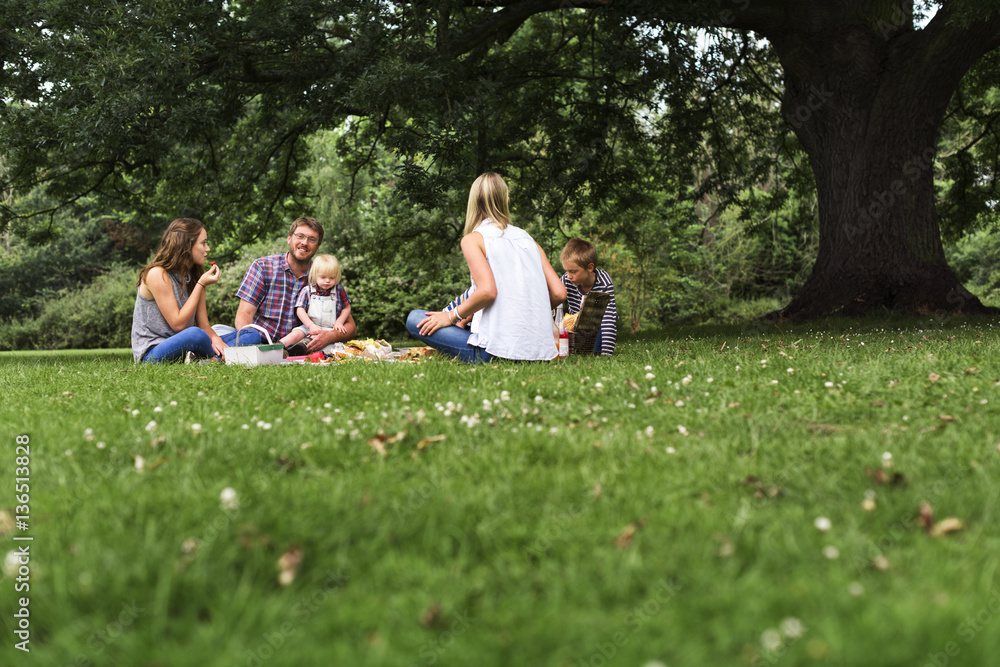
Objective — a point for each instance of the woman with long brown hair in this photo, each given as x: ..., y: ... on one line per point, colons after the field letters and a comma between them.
x: 170, y: 318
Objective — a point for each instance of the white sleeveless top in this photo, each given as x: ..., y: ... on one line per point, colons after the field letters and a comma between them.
x: 518, y: 324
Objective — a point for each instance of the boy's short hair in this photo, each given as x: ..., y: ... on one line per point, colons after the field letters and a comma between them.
x: 324, y: 265
x: 579, y: 251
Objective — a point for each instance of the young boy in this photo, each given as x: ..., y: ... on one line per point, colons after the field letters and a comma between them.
x: 579, y: 258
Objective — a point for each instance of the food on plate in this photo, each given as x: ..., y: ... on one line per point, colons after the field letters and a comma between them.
x: 569, y: 321
x: 414, y: 353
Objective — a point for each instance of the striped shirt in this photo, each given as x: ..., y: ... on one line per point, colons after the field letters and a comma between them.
x: 271, y: 287
x: 609, y: 325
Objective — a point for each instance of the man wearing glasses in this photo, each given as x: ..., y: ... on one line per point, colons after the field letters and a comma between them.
x: 267, y: 295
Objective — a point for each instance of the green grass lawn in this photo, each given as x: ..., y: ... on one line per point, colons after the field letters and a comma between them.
x: 713, y: 496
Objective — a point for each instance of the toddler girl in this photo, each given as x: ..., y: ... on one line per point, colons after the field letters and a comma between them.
x: 323, y: 305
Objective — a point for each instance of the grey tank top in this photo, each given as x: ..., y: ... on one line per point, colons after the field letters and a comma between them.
x: 149, y: 328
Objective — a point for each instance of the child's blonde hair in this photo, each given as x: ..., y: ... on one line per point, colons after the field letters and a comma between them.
x: 581, y: 252
x: 487, y: 199
x: 324, y: 265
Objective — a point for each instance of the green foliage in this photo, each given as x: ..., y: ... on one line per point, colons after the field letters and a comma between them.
x: 976, y: 260
x: 94, y: 316
x: 78, y: 245
x: 969, y: 169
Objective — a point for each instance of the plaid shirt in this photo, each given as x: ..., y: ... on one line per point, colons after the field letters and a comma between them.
x: 271, y: 287
x: 302, y: 300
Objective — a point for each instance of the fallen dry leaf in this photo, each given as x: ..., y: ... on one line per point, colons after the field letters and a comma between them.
x: 632, y: 383
x: 380, y: 440
x: 971, y: 370
x: 879, y: 476
x: 625, y: 537
x: 157, y: 463
x: 288, y: 565
x: 947, y: 418
x: 431, y: 615
x: 926, y: 518
x: 945, y: 526
x: 6, y: 522
x: 429, y: 439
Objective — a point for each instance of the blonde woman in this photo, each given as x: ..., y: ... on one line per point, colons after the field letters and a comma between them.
x: 514, y: 288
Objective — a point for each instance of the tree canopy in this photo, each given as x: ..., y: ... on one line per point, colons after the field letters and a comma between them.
x: 172, y: 107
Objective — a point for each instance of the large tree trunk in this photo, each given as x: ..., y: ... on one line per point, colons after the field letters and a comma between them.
x: 867, y: 105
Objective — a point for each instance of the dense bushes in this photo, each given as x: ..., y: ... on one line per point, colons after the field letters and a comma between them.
x: 97, y: 315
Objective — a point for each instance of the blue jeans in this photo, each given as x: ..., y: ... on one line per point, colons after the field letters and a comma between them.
x: 195, y: 340
x: 452, y: 341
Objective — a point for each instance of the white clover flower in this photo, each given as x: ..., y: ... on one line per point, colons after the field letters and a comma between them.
x: 687, y: 380
x: 856, y: 589
x: 682, y: 430
x: 827, y: 384
x: 406, y: 399
x: 196, y: 428
x: 887, y: 459
x: 140, y: 463
x: 538, y: 399
x: 229, y: 499
x: 88, y: 434
x: 554, y: 430
x: 791, y: 370
x: 11, y: 564
x: 679, y: 404
x: 101, y: 445
x: 135, y: 413
x: 598, y: 385
x: 671, y: 450
x: 771, y: 640
x: 157, y: 409
x: 173, y: 403
x: 822, y: 523
x: 649, y: 431
x: 648, y: 368
x: 831, y: 552
x: 151, y: 426
x: 504, y: 395
x: 792, y: 628
x: 650, y: 376
x: 266, y: 426
x: 246, y: 427
x: 710, y: 380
